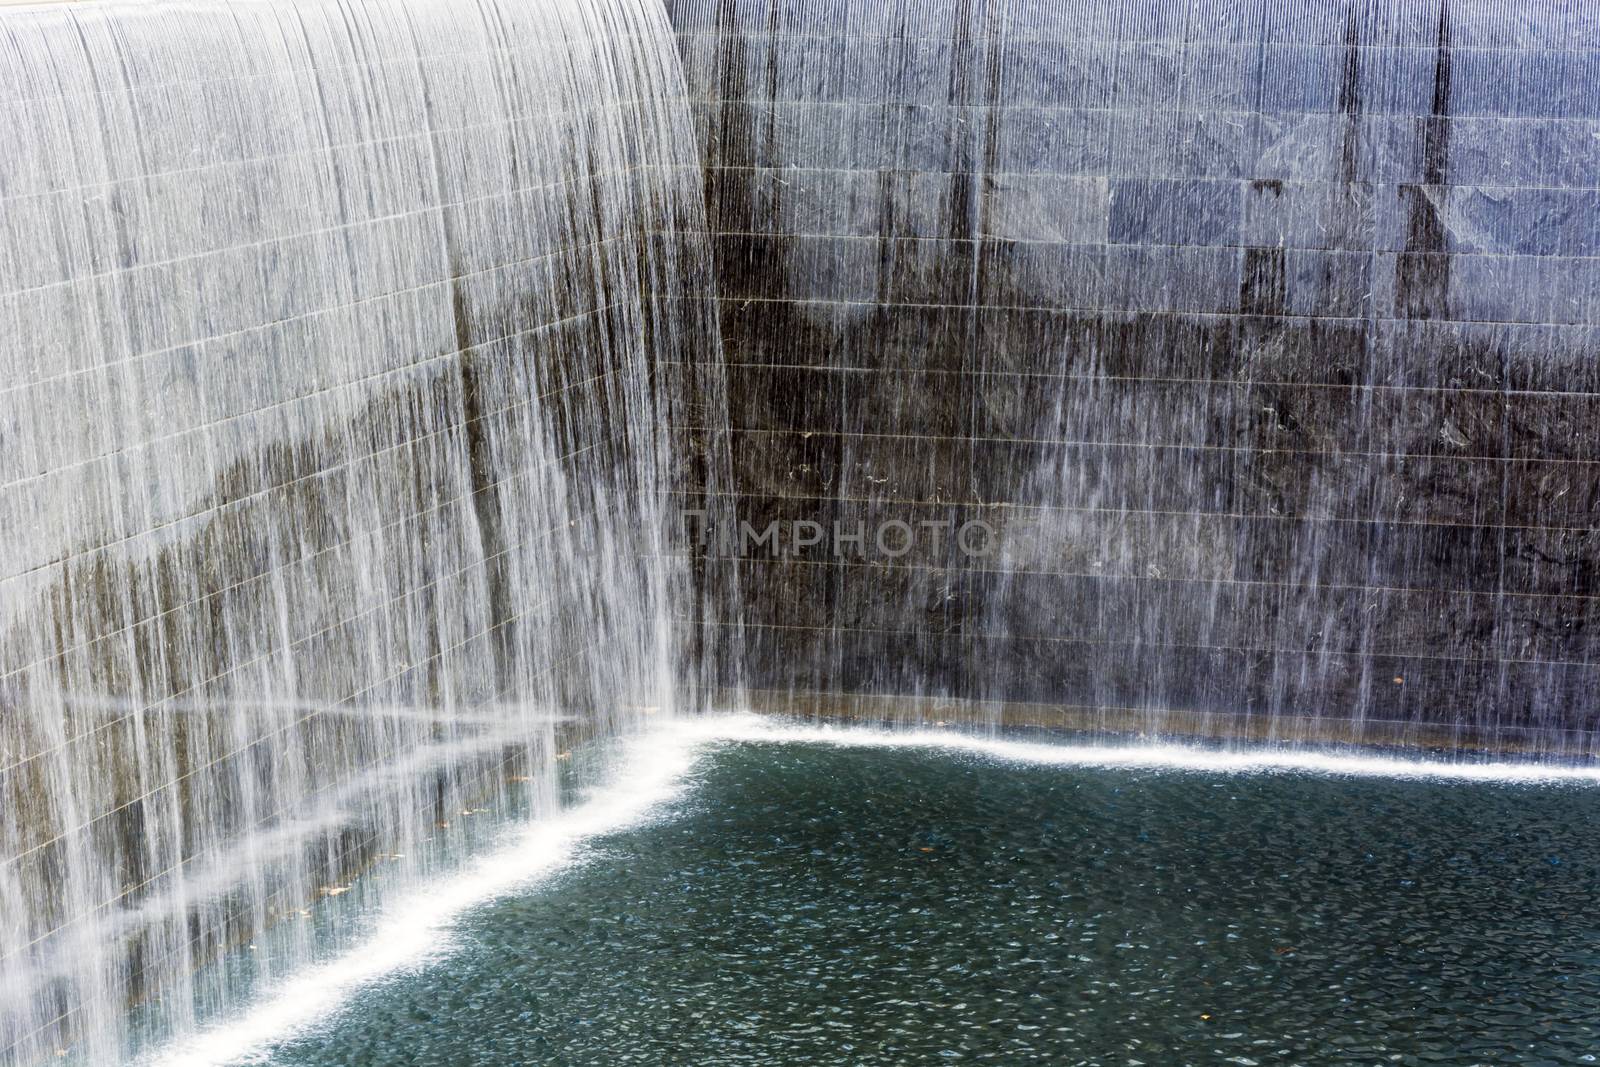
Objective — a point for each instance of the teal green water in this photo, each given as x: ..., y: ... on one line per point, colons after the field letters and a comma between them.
x: 804, y: 904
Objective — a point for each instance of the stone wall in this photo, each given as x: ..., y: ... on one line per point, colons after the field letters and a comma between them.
x: 1262, y: 334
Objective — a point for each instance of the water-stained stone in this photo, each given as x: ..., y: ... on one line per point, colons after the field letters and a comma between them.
x: 1313, y: 283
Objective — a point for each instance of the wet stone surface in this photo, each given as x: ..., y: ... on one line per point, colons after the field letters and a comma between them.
x: 1325, y: 268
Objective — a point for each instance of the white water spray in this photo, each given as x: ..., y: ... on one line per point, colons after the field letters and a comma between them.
x: 649, y: 773
x: 333, y: 386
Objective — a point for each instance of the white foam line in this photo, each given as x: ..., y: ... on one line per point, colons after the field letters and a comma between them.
x: 752, y: 727
x: 649, y: 773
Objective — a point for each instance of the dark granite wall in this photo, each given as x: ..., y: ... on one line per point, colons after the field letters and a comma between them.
x: 1262, y: 334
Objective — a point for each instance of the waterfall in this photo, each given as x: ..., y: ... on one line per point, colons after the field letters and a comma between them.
x: 1251, y: 340
x: 340, y: 343
x: 1148, y: 368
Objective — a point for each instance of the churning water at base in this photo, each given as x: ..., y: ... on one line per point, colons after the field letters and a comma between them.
x: 612, y: 785
x: 332, y: 397
x: 885, y: 903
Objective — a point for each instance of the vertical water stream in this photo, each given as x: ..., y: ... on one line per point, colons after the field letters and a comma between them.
x: 338, y: 343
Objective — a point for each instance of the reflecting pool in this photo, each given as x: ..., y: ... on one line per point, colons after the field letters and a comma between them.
x: 810, y: 903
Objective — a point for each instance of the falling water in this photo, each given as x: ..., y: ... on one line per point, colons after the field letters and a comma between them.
x: 1259, y: 334
x: 339, y: 342
x: 360, y: 355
